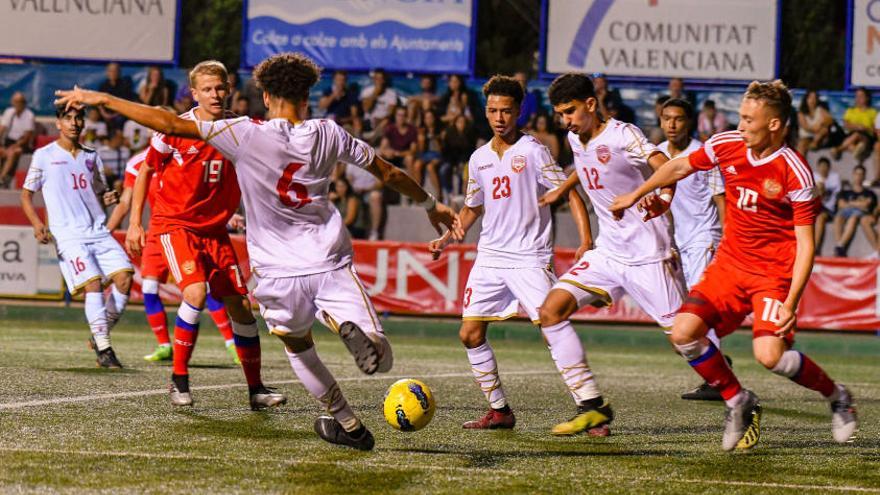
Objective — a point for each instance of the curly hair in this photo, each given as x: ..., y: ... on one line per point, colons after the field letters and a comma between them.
x: 570, y: 87
x: 774, y: 94
x: 504, y: 86
x: 287, y: 75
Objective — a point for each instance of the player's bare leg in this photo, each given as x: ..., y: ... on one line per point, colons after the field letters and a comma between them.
x: 594, y: 415
x: 96, y: 315
x: 343, y: 427
x: 485, y: 370
x: 775, y: 354
x: 743, y: 413
x: 247, y: 345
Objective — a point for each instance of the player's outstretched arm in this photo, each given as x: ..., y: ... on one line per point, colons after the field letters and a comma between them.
x: 671, y: 172
x: 120, y: 211
x: 41, y: 232
x: 803, y: 266
x: 153, y: 117
x: 396, y: 179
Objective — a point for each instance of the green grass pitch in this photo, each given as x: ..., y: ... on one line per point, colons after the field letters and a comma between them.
x: 67, y: 427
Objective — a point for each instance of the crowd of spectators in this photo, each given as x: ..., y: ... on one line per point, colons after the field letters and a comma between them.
x: 432, y: 133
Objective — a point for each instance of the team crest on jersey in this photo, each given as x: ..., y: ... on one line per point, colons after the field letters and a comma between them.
x: 90, y: 164
x: 772, y: 188
x: 188, y: 267
x: 518, y: 163
x: 603, y: 154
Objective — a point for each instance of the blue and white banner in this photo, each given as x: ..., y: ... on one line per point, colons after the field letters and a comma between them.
x: 695, y: 39
x: 398, y: 35
x: 864, y: 43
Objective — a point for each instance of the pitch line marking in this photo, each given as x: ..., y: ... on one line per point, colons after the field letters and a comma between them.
x: 428, y: 467
x: 164, y: 391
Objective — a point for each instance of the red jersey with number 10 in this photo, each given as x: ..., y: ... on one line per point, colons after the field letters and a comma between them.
x: 765, y: 199
x: 198, y: 190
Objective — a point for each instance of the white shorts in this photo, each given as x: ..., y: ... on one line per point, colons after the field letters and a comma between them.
x: 495, y: 294
x: 597, y: 279
x: 84, y: 261
x: 291, y: 304
x: 694, y: 261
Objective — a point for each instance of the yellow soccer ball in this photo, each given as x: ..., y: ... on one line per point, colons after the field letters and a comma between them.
x: 409, y: 405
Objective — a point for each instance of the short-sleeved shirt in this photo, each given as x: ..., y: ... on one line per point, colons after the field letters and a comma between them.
x: 384, y: 103
x: 694, y: 213
x: 341, y: 108
x: 613, y: 163
x: 198, y: 187
x: 516, y: 231
x: 284, y: 171
x: 766, y: 198
x: 865, y: 193
x: 832, y: 187
x: 75, y: 213
x: 401, y: 141
x: 17, y: 125
x: 137, y: 136
x: 861, y: 116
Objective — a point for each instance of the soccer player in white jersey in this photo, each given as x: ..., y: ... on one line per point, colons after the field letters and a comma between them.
x: 697, y: 210
x: 299, y: 248
x: 87, y: 253
x: 633, y: 254
x: 514, y: 265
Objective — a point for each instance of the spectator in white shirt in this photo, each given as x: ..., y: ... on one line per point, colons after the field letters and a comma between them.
x: 115, y: 156
x: 828, y: 185
x: 137, y: 137
x: 379, y: 100
x: 94, y: 129
x: 17, y: 126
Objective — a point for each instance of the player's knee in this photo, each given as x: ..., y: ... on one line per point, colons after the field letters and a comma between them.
x: 550, y: 315
x: 768, y: 358
x: 293, y: 341
x: 686, y: 328
x: 195, y: 294
x: 123, y: 282
x: 238, y: 309
x: 93, y: 286
x: 471, y: 336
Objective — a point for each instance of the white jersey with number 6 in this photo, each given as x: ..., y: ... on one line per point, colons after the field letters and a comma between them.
x: 284, y: 175
x: 613, y: 163
x: 516, y: 232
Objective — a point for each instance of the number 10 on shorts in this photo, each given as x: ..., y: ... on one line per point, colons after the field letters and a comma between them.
x: 771, y: 310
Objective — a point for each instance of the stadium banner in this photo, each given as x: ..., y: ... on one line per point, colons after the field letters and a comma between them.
x: 398, y: 35
x: 401, y: 278
x: 19, y: 260
x: 119, y: 30
x: 694, y: 39
x: 863, y: 46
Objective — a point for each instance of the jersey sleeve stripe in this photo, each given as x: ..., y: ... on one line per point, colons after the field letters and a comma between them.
x: 800, y: 169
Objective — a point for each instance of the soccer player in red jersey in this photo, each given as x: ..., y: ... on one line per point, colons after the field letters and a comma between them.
x: 198, y: 195
x: 762, y: 264
x: 154, y: 270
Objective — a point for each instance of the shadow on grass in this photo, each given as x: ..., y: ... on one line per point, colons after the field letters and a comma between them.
x: 83, y: 370
x: 224, y: 366
x: 255, y: 426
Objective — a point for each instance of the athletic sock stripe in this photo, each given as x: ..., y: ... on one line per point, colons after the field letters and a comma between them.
x: 711, y: 351
x: 242, y: 341
x: 181, y: 323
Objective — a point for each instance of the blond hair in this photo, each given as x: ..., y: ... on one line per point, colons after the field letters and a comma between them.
x: 208, y: 68
x: 774, y: 94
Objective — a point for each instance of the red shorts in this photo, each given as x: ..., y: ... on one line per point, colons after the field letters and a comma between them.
x: 726, y: 295
x: 194, y: 258
x: 152, y: 260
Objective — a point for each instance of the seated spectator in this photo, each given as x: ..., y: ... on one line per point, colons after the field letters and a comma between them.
x: 655, y: 134
x: 814, y: 124
x: 617, y: 109
x: 137, y: 137
x: 603, y: 91
x: 546, y: 133
x: 339, y: 99
x: 94, y: 129
x: 17, y: 129
x: 676, y: 89
x: 457, y: 101
x: 710, y: 121
x: 398, y: 146
x: 828, y: 186
x: 430, y: 147
x: 427, y: 100
x: 119, y: 86
x: 459, y: 141
x: 115, y: 155
x: 349, y: 205
x: 155, y: 90
x: 530, y: 104
x: 858, y: 122
x: 370, y: 189
x: 378, y: 102
x: 855, y: 206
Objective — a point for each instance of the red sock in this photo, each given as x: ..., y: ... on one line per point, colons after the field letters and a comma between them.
x: 221, y: 319
x: 813, y: 377
x: 159, y: 324
x: 186, y: 331
x: 248, y: 349
x: 712, y: 366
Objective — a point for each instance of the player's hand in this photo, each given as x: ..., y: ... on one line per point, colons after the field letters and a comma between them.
x: 436, y: 246
x: 621, y: 203
x: 110, y: 198
x: 41, y: 234
x: 787, y: 320
x: 78, y: 97
x: 444, y: 215
x: 236, y: 223
x: 583, y: 248
x: 652, y: 206
x: 135, y: 239
x: 552, y: 196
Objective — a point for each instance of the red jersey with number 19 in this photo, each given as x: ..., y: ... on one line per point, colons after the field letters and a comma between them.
x: 198, y: 189
x: 765, y: 198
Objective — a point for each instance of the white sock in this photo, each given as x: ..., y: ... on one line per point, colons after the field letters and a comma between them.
x: 149, y: 286
x: 96, y: 315
x: 568, y: 354
x: 485, y: 370
x: 736, y: 399
x: 243, y: 329
x: 115, y: 306
x: 788, y: 365
x: 316, y: 378
x: 713, y: 337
